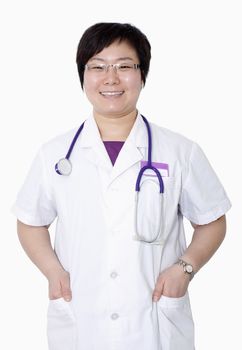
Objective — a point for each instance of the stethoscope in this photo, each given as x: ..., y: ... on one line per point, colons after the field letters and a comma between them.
x: 64, y: 167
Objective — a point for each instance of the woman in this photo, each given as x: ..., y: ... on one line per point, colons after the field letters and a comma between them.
x: 120, y: 270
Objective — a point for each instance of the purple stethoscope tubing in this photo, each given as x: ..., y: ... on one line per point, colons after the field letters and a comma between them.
x: 158, y: 237
x: 65, y: 163
x: 149, y: 162
x: 64, y: 167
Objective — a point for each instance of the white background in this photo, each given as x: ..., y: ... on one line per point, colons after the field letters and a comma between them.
x: 194, y: 87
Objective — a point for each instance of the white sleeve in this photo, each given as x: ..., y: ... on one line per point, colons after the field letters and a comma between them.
x: 34, y: 204
x: 203, y: 198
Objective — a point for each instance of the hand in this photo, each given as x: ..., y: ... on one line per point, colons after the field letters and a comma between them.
x: 172, y: 282
x: 59, y: 285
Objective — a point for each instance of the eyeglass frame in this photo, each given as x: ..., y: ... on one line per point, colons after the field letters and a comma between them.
x: 135, y: 66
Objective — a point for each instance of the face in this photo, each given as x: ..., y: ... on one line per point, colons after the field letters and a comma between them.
x: 113, y: 93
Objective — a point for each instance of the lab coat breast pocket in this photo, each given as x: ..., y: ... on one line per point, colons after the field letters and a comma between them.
x: 61, y: 326
x: 175, y: 323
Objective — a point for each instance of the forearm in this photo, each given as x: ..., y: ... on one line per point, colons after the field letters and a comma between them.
x: 206, y: 240
x: 36, y: 242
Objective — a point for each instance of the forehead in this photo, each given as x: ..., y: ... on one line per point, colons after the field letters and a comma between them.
x: 117, y: 51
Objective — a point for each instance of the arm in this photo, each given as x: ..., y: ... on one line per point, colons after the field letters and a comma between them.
x: 205, y: 241
x: 35, y: 240
x: 173, y: 282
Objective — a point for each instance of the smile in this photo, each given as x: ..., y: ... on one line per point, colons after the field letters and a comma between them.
x: 112, y: 93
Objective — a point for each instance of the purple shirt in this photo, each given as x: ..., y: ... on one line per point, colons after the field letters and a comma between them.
x: 113, y: 148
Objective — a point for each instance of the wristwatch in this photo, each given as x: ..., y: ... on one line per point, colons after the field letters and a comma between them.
x: 187, y: 268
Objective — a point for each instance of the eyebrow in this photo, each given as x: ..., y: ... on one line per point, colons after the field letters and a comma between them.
x: 118, y: 59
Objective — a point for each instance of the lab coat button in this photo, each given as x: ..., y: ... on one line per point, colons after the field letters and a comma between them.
x: 114, y: 316
x: 113, y: 274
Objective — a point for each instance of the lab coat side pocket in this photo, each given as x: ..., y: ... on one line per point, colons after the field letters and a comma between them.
x: 176, y: 326
x: 61, y: 326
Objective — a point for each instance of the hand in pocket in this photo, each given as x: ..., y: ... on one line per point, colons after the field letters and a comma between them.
x: 59, y: 285
x: 172, y: 282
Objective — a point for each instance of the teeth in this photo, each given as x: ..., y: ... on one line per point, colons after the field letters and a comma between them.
x: 112, y: 93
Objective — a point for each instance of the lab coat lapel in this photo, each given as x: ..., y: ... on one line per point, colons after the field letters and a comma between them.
x: 92, y: 143
x: 133, y: 149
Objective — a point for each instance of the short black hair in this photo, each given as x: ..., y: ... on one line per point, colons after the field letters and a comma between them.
x: 103, y: 34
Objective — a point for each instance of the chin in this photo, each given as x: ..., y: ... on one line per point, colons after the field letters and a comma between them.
x: 110, y: 111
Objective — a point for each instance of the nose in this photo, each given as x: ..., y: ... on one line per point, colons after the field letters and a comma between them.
x: 111, y: 76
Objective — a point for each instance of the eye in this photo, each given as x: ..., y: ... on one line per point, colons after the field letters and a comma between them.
x: 125, y: 66
x: 96, y: 67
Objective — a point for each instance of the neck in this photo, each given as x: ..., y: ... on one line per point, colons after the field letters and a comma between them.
x: 115, y: 128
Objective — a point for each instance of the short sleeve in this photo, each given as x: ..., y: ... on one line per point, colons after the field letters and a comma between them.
x: 203, y: 198
x: 34, y: 204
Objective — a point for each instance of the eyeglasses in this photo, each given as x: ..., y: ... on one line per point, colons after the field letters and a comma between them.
x: 99, y: 68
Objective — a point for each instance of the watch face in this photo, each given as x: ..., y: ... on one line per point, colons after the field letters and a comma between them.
x: 189, y: 268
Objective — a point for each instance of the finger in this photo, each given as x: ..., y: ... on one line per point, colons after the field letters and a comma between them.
x: 65, y: 289
x: 158, y: 291
x: 55, y: 291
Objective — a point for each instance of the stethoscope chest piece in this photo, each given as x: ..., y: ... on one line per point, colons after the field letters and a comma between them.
x: 63, y: 167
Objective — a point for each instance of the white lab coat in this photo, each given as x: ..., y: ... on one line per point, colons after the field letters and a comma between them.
x: 113, y: 275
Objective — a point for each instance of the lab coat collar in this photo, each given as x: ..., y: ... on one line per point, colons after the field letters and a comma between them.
x: 90, y: 135
x: 132, y: 151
